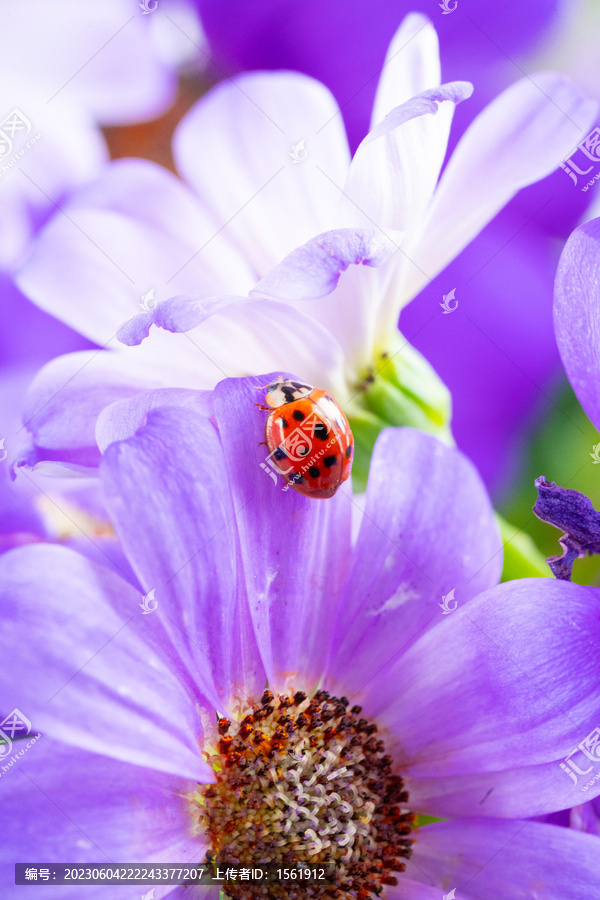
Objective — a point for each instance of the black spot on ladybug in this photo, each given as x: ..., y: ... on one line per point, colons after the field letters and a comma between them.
x: 283, y: 422
x: 349, y: 451
x: 299, y: 385
x: 288, y: 393
x: 329, y: 461
x: 321, y: 431
x: 279, y: 453
x: 298, y: 415
x: 314, y: 472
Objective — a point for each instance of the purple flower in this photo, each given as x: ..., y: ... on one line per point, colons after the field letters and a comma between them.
x: 269, y: 168
x: 247, y: 586
x: 576, y: 319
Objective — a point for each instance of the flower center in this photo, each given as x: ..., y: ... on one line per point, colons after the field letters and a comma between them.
x: 307, y: 781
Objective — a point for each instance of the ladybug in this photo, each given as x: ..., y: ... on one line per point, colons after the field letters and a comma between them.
x: 308, y: 437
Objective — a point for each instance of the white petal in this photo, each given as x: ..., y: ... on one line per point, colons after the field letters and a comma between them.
x: 412, y: 65
x: 518, y: 139
x: 256, y: 150
x: 137, y: 229
x: 395, y: 170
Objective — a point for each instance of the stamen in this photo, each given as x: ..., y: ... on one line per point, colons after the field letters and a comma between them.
x: 310, y: 785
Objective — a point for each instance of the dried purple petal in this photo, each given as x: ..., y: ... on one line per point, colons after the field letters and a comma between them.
x: 572, y: 512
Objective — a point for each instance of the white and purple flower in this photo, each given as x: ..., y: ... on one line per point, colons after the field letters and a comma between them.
x: 386, y: 219
x: 66, y: 69
x: 255, y: 588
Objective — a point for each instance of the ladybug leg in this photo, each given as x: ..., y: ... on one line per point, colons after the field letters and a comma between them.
x: 266, y: 408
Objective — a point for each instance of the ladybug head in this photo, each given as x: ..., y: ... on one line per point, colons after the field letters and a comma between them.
x: 284, y: 390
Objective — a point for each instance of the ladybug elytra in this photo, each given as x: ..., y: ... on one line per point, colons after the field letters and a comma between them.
x: 308, y: 437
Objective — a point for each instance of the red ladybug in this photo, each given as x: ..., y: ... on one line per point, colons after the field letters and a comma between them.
x: 308, y: 437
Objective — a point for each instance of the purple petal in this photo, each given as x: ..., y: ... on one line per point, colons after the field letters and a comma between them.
x: 122, y: 419
x: 510, y: 793
x: 493, y: 860
x: 407, y: 889
x: 88, y: 668
x: 178, y: 314
x: 61, y: 803
x: 481, y: 693
x: 167, y: 496
x: 314, y: 269
x: 586, y: 817
x: 68, y: 394
x: 577, y: 314
x: 294, y: 549
x: 426, y: 103
x: 574, y: 514
x: 428, y: 530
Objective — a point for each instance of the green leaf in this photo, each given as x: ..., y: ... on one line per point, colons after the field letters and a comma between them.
x: 522, y: 559
x: 401, y: 390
